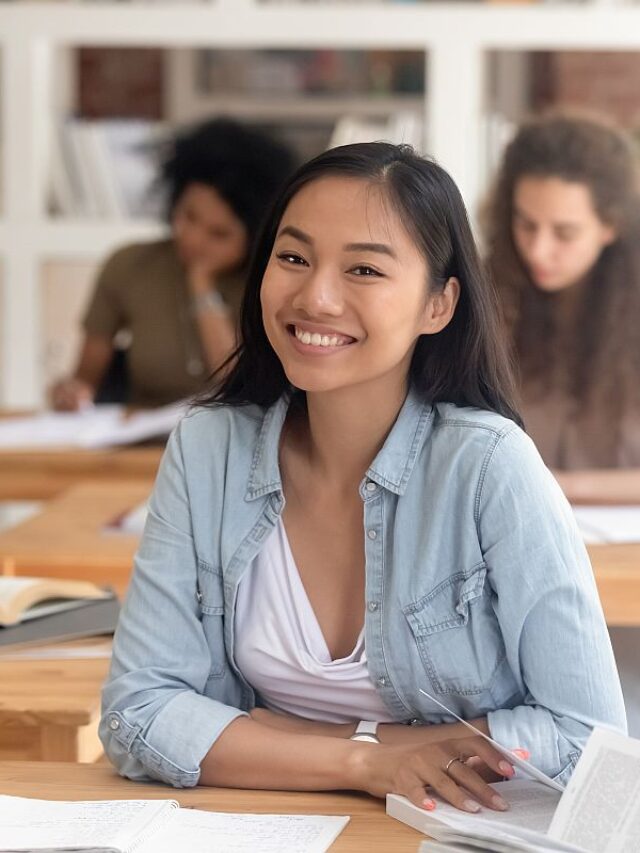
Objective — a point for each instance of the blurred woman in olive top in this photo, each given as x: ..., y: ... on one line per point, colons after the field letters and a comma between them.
x: 564, y: 251
x: 179, y: 298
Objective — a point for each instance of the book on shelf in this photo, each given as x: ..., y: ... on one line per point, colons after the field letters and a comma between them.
x: 598, y: 812
x: 156, y: 826
x: 24, y: 598
x: 106, y: 168
x: 99, y: 426
x: 68, y: 616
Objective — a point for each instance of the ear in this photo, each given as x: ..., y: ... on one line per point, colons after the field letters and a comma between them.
x: 440, y: 307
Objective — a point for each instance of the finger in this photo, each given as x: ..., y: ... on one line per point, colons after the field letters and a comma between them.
x: 420, y: 799
x: 491, y: 757
x: 467, y: 777
x: 447, y: 788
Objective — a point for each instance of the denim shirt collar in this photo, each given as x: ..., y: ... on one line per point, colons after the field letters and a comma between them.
x: 391, y: 468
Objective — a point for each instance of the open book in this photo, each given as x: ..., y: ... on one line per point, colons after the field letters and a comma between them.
x: 599, y: 812
x: 156, y: 826
x: 23, y: 598
x: 608, y: 524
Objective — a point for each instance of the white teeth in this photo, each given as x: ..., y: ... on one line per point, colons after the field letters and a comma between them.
x: 318, y: 340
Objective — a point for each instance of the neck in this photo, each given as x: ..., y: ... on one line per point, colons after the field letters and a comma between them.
x: 346, y: 430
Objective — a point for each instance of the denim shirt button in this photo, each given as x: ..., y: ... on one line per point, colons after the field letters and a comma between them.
x: 371, y: 534
x: 114, y: 724
x: 382, y: 681
x: 371, y: 486
x: 373, y: 606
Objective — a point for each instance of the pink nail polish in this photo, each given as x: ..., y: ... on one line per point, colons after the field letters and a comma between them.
x: 524, y: 754
x: 429, y: 805
x: 505, y: 768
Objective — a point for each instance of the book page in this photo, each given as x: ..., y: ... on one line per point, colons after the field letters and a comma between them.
x: 29, y: 824
x: 608, y: 524
x: 600, y: 810
x: 203, y: 832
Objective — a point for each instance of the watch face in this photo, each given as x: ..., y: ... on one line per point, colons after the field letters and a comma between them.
x: 366, y: 737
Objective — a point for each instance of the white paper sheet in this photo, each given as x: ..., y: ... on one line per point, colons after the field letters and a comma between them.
x: 30, y: 824
x: 203, y: 832
x: 608, y: 524
x: 97, y: 426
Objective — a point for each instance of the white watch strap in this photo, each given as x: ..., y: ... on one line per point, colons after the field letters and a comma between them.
x: 367, y: 727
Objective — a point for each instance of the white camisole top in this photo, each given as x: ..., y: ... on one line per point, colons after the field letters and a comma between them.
x: 282, y: 653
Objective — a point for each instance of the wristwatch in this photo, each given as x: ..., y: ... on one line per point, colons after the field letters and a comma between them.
x: 366, y: 730
x: 209, y: 301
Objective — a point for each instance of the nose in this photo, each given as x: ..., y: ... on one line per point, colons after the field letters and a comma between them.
x: 320, y: 294
x: 540, y: 248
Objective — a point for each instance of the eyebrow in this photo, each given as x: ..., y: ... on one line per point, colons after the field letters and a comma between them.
x: 557, y: 225
x: 381, y: 248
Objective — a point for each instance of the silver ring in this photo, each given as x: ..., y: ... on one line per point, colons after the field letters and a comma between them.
x: 450, y: 762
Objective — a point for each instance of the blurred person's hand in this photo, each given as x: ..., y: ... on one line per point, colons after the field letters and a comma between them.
x: 71, y: 395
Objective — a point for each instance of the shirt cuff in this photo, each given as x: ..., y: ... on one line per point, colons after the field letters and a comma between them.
x: 180, y: 735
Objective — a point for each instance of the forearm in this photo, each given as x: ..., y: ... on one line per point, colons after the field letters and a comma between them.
x: 601, y: 486
x: 249, y: 754
x: 217, y: 336
x: 390, y: 733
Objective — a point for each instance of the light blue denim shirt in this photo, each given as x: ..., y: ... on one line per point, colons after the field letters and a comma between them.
x: 478, y: 589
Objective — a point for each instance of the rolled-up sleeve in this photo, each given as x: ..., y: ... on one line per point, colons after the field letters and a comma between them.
x: 156, y: 721
x: 547, y: 604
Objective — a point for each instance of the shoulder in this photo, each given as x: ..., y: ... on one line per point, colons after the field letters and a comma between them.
x: 493, y: 445
x: 219, y: 427
x: 127, y: 259
x: 472, y: 426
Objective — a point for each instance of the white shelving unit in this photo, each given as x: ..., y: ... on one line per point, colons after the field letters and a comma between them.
x: 455, y: 39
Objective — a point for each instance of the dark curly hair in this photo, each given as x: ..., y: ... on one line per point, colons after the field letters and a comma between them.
x: 243, y: 164
x: 598, y: 363
x: 466, y: 363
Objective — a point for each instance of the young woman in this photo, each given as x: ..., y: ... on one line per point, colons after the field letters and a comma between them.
x: 354, y: 516
x: 179, y: 297
x: 564, y: 250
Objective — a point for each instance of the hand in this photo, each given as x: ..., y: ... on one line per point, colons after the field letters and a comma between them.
x: 201, y: 276
x: 408, y: 770
x: 70, y: 395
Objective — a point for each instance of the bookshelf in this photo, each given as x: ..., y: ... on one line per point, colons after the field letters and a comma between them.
x: 456, y: 40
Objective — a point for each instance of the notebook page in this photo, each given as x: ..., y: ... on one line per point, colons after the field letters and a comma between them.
x: 30, y: 824
x: 600, y: 810
x: 203, y: 832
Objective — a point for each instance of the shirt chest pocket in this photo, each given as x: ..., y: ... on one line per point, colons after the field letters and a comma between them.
x: 210, y: 595
x: 457, y: 633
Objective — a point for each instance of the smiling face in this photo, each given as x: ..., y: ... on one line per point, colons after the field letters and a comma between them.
x: 345, y: 294
x: 207, y: 232
x: 557, y: 231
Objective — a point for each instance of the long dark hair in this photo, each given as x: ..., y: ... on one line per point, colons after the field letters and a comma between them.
x: 466, y: 363
x: 596, y: 360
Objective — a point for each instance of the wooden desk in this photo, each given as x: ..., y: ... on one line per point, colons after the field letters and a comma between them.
x: 40, y: 475
x: 368, y: 830
x: 617, y: 572
x: 67, y: 539
x: 50, y: 709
